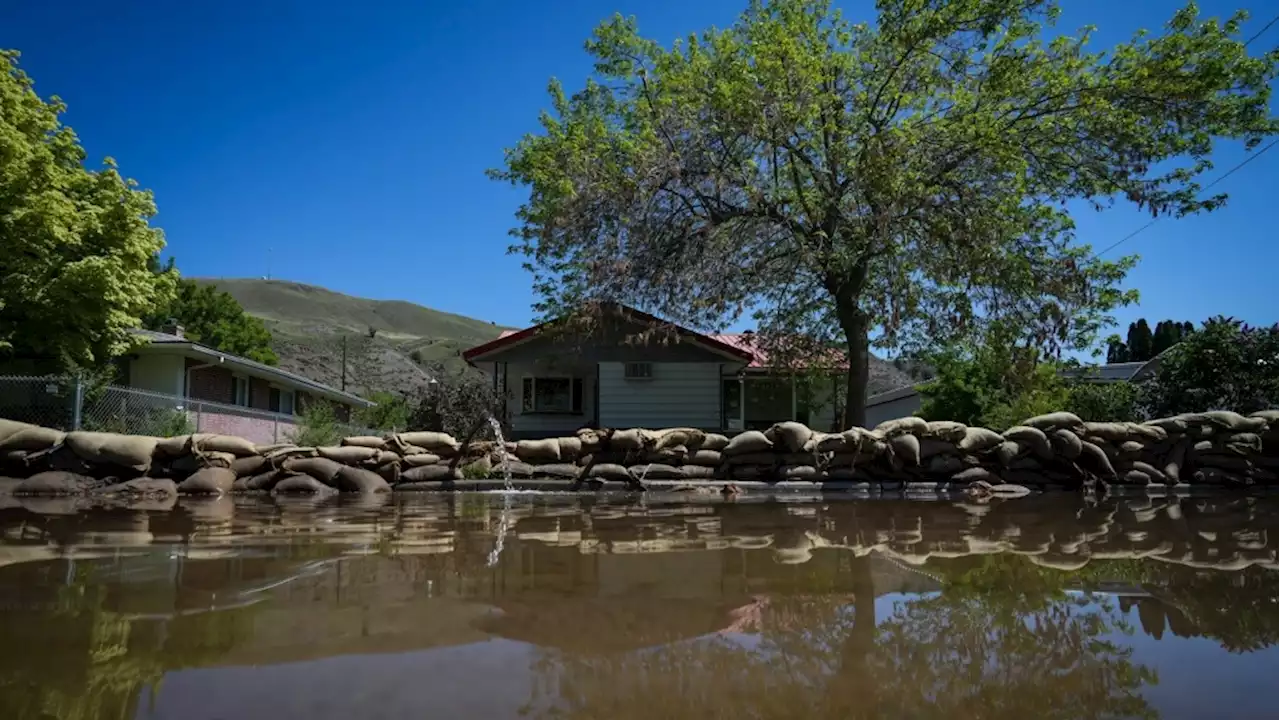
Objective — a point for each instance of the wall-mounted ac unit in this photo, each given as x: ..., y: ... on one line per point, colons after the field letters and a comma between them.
x: 638, y: 371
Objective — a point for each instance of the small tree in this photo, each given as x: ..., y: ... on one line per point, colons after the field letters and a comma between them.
x: 317, y: 425
x: 457, y: 402
x: 1225, y: 365
x: 1103, y: 402
x: 389, y: 412
x: 213, y: 317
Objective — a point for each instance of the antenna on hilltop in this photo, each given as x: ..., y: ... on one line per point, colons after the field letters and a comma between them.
x: 268, y: 277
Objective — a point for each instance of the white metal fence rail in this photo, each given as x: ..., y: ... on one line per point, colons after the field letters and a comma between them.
x: 69, y: 403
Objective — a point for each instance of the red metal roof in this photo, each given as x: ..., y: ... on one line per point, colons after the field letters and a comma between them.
x: 760, y: 356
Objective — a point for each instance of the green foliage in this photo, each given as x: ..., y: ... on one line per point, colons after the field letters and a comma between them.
x: 1103, y: 402
x: 391, y: 412
x: 1226, y: 365
x: 1142, y: 344
x: 212, y: 317
x: 904, y: 180
x: 158, y: 422
x: 457, y: 402
x: 74, y: 243
x: 317, y: 426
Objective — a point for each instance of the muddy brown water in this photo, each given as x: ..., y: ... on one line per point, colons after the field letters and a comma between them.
x: 537, y: 606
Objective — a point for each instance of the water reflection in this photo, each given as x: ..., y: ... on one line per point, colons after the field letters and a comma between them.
x: 1034, y: 607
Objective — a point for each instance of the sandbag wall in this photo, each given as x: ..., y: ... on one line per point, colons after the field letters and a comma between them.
x: 1050, y: 451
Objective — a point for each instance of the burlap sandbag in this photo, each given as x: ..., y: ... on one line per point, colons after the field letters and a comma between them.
x: 790, y: 436
x: 655, y: 471
x: 322, y: 469
x: 683, y: 437
x: 1065, y: 443
x: 1053, y: 421
x: 262, y: 481
x: 1032, y: 438
x: 901, y: 426
x: 438, y: 443
x: 1235, y: 422
x: 906, y: 448
x: 608, y: 471
x: 368, y: 441
x: 570, y: 448
x: 1175, y: 424
x: 279, y: 455
x: 630, y: 440
x: 751, y: 441
x: 9, y: 427
x: 263, y: 448
x: 697, y: 472
x: 188, y: 464
x: 705, y: 458
x: 713, y: 441
x: 208, y: 481
x: 514, y: 468
x: 674, y: 455
x: 127, y: 451
x: 359, y: 480
x: 557, y: 470
x: 589, y: 439
x: 223, y: 443
x: 55, y: 483
x: 1244, y: 442
x: 430, y: 473
x: 249, y: 465
x: 348, y: 454
x: 300, y: 485
x: 1007, y: 452
x: 537, y: 452
x: 976, y: 474
x: 1092, y: 458
x: 948, y: 430
x: 1174, y: 460
x: 143, y: 486
x: 1156, y: 474
x: 930, y: 447
x: 30, y: 438
x: 755, y: 458
x: 945, y: 465
x: 420, y: 460
x: 976, y: 440
x: 746, y: 473
x: 799, y: 472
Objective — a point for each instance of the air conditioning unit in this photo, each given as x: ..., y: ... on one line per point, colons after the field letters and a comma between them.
x: 638, y: 371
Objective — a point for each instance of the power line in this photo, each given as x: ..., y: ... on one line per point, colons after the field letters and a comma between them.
x: 1217, y: 180
x: 1264, y: 29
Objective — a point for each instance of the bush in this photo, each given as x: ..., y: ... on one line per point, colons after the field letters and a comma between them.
x: 1104, y: 402
x: 458, y: 401
x: 391, y: 412
x: 317, y: 426
x: 1226, y: 365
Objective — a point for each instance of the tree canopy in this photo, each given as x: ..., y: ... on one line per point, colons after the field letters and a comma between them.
x: 75, y: 243
x: 903, y: 181
x: 213, y: 317
x: 1225, y: 365
x: 1141, y: 344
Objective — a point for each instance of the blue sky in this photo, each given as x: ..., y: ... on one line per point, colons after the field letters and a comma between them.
x: 345, y: 144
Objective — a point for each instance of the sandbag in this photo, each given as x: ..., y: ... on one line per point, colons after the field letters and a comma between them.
x: 1053, y: 421
x: 368, y: 441
x: 223, y: 443
x: 300, y: 485
x: 389, y: 472
x: 630, y: 440
x: 177, y: 446
x: 946, y: 430
x: 359, y: 480
x: 979, y: 440
x: 589, y: 439
x: 751, y: 441
x: 705, y: 458
x: 751, y: 472
x: 54, y: 483
x: 348, y: 454
x: 802, y: 472
x: 570, y: 448
x: 438, y: 443
x: 559, y: 470
x: 1007, y: 452
x: 1235, y: 421
x: 654, y: 471
x: 322, y: 469
x: 1177, y: 423
x: 279, y: 455
x: 126, y: 451
x: 906, y: 448
x: 479, y: 467
x: 188, y: 464
x: 261, y: 481
x: 790, y: 435
x: 538, y: 451
x: 1032, y: 438
x: 1155, y: 474
x: 152, y: 487
x: 1173, y: 462
x: 249, y: 465
x: 30, y: 438
x: 712, y: 441
x: 1065, y: 443
x: 930, y: 446
x: 419, y: 460
x: 9, y: 427
x: 426, y: 473
x: 674, y: 455
x: 843, y: 442
x: 1092, y: 458
x: 208, y: 481
x: 976, y: 474
x: 262, y: 448
x: 514, y: 468
x: 1245, y: 441
x: 672, y: 437
x: 913, y: 425
x: 756, y: 458
x: 945, y: 464
x: 609, y: 471
x: 1128, y: 447
x: 698, y: 472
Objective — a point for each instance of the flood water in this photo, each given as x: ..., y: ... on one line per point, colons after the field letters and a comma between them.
x: 484, y: 606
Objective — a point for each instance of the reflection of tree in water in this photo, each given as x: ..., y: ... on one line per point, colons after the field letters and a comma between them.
x: 971, y: 651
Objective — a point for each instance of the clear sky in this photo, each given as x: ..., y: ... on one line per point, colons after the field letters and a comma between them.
x: 344, y: 144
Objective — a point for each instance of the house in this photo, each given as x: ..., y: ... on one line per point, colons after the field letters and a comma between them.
x: 556, y: 382
x: 173, y: 364
x: 905, y: 401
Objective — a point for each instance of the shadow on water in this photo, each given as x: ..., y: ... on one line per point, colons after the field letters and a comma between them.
x: 1045, y: 606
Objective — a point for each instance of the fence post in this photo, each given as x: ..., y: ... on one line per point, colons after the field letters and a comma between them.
x: 77, y: 409
x: 198, y: 416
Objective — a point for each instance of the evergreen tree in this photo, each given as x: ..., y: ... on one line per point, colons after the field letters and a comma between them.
x: 1140, y: 340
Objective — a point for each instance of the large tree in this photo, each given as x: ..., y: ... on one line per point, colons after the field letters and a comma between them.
x: 75, y: 243
x: 1225, y: 365
x: 213, y: 317
x: 900, y: 181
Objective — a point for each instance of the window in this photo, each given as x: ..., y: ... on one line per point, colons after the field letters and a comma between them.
x: 551, y: 395
x: 280, y: 401
x: 240, y: 391
x: 638, y: 371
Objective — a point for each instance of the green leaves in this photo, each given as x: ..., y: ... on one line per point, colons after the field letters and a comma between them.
x: 212, y: 317
x: 905, y: 183
x: 74, y: 243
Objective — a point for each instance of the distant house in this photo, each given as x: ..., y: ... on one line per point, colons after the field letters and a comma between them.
x: 905, y: 401
x: 555, y: 383
x: 173, y: 364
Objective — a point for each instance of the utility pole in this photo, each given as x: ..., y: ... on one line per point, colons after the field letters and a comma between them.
x: 344, y: 362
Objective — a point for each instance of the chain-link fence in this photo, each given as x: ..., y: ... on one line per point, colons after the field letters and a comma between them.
x: 72, y: 404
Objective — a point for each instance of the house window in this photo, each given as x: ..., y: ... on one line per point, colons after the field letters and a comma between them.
x: 552, y: 395
x: 240, y: 391
x: 280, y: 401
x: 638, y: 371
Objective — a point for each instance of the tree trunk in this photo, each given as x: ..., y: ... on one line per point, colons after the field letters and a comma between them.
x: 855, y: 326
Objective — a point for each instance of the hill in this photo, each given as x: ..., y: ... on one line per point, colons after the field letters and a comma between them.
x: 308, y: 325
